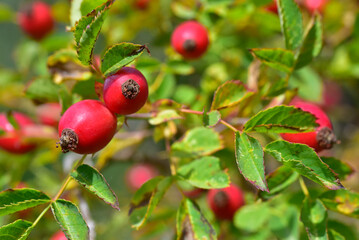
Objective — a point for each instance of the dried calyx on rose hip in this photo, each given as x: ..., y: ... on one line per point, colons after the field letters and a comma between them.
x: 322, y: 138
x: 226, y: 201
x: 36, y: 20
x: 126, y: 91
x: 190, y: 39
x: 11, y: 138
x: 86, y: 127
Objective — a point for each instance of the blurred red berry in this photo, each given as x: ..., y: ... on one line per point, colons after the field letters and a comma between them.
x: 58, y: 236
x: 11, y: 139
x: 37, y: 20
x: 49, y: 113
x: 138, y: 174
x: 315, y: 5
x: 190, y: 39
x: 226, y: 201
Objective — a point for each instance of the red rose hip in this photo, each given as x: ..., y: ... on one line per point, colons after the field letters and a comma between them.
x: 49, y: 113
x: 323, y: 136
x: 126, y: 91
x: 86, y: 127
x: 37, y: 20
x: 58, y: 236
x: 225, y: 202
x: 11, y: 140
x: 190, y: 39
x: 138, y: 174
x: 315, y: 5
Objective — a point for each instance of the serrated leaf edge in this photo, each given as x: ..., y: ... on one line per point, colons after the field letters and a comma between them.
x: 61, y: 226
x: 114, y: 205
x: 251, y: 181
x: 337, y: 181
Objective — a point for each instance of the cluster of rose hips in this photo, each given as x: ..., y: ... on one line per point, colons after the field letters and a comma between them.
x: 89, y: 125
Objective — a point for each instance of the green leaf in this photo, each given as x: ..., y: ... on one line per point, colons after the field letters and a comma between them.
x: 164, y: 116
x: 252, y: 217
x: 197, y: 142
x: 14, y: 200
x: 213, y: 177
x: 12, y: 120
x: 340, y: 228
x: 281, y: 119
x: 95, y: 182
x: 163, y: 88
x: 229, y: 94
x: 70, y: 219
x: 17, y: 230
x: 279, y: 180
x: 119, y: 55
x: 312, y: 44
x: 64, y: 65
x: 6, y: 13
x: 88, y: 39
x: 87, y: 30
x: 314, y: 216
x: 334, y: 235
x: 88, y: 5
x: 75, y: 12
x: 341, y: 168
x: 42, y: 89
x: 308, y: 83
x: 291, y: 22
x: 185, y: 94
x: 277, y: 58
x: 191, y: 224
x: 212, y: 118
x: 305, y: 161
x: 342, y: 201
x: 180, y: 67
x: 146, y: 199
x: 250, y: 161
x: 284, y: 222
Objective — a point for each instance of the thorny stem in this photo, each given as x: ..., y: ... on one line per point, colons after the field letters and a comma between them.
x: 62, y: 189
x: 303, y: 186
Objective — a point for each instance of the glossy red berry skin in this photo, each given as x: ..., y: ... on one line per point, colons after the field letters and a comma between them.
x: 49, y: 114
x: 126, y: 91
x: 37, y: 21
x: 93, y: 124
x: 315, y: 5
x: 138, y: 174
x: 225, y: 202
x: 313, y: 139
x: 58, y: 236
x: 12, y: 140
x: 190, y: 39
